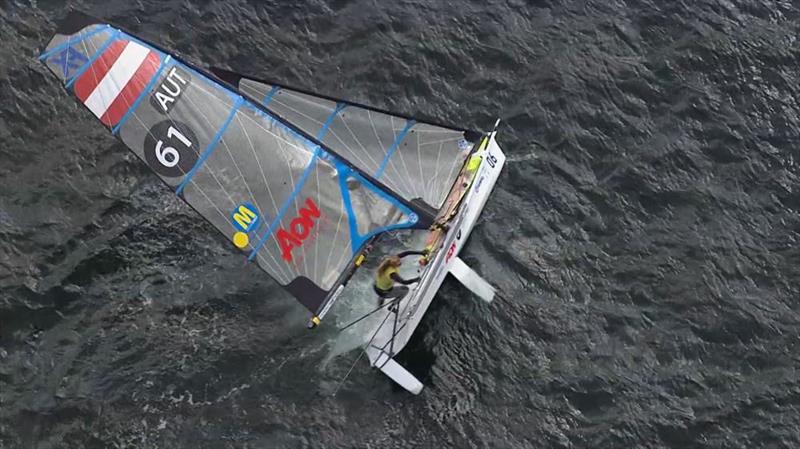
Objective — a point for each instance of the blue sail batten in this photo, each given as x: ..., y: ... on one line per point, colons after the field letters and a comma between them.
x: 393, y: 148
x: 298, y: 186
x: 329, y: 121
x: 268, y: 97
x: 210, y: 148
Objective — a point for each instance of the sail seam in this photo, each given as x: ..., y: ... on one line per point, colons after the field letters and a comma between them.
x: 210, y: 147
x: 393, y: 148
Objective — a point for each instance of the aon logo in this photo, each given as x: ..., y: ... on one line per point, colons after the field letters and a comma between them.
x: 299, y: 229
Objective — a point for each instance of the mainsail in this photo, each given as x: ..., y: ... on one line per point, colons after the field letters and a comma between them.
x: 286, y: 196
x: 418, y: 160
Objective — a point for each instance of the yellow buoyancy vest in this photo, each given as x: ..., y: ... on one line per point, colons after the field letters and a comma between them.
x: 384, y: 279
x: 473, y: 163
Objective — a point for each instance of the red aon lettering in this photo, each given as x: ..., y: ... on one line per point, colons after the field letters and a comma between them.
x: 299, y: 229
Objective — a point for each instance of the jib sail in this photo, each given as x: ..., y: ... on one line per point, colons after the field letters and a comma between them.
x: 280, y: 196
x: 418, y: 160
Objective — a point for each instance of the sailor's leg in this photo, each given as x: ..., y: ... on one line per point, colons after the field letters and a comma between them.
x: 394, y: 296
x: 399, y: 291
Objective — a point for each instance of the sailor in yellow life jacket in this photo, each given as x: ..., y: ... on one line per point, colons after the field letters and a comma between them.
x: 473, y: 163
x: 455, y: 196
x: 389, y: 273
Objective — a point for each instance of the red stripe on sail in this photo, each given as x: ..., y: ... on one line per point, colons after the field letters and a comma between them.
x: 132, y: 90
x: 97, y: 71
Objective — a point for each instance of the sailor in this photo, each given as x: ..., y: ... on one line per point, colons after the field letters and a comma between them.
x: 388, y: 274
x: 440, y: 226
x: 472, y: 166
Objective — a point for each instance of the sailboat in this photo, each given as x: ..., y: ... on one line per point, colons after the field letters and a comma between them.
x: 300, y: 183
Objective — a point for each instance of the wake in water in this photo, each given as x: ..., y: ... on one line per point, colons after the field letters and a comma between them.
x: 359, y: 298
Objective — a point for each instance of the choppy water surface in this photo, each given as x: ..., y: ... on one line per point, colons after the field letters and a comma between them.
x: 643, y: 235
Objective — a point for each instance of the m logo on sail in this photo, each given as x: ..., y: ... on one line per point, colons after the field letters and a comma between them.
x: 245, y: 217
x: 299, y: 229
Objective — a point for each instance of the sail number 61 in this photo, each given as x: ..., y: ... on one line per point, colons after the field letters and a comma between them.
x: 169, y: 156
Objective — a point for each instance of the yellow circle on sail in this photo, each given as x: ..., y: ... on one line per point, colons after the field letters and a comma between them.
x: 240, y: 239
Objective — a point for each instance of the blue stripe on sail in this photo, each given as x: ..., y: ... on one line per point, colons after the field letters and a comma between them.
x: 356, y: 239
x: 287, y: 203
x: 344, y: 171
x: 270, y: 94
x: 329, y: 121
x: 163, y: 62
x: 412, y: 217
x: 210, y: 148
x: 393, y: 148
x: 70, y: 42
x: 94, y: 57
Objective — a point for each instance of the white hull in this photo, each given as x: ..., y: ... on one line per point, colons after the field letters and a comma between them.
x: 411, y: 309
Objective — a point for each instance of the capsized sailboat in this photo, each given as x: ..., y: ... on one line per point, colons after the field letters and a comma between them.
x: 300, y: 183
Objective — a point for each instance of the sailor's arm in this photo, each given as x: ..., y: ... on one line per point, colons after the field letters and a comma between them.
x: 412, y: 253
x: 396, y: 277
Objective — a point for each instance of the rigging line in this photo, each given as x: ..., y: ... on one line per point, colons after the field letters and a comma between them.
x: 394, y: 330
x: 421, y: 176
x: 383, y: 306
x: 341, y: 382
x: 375, y: 334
